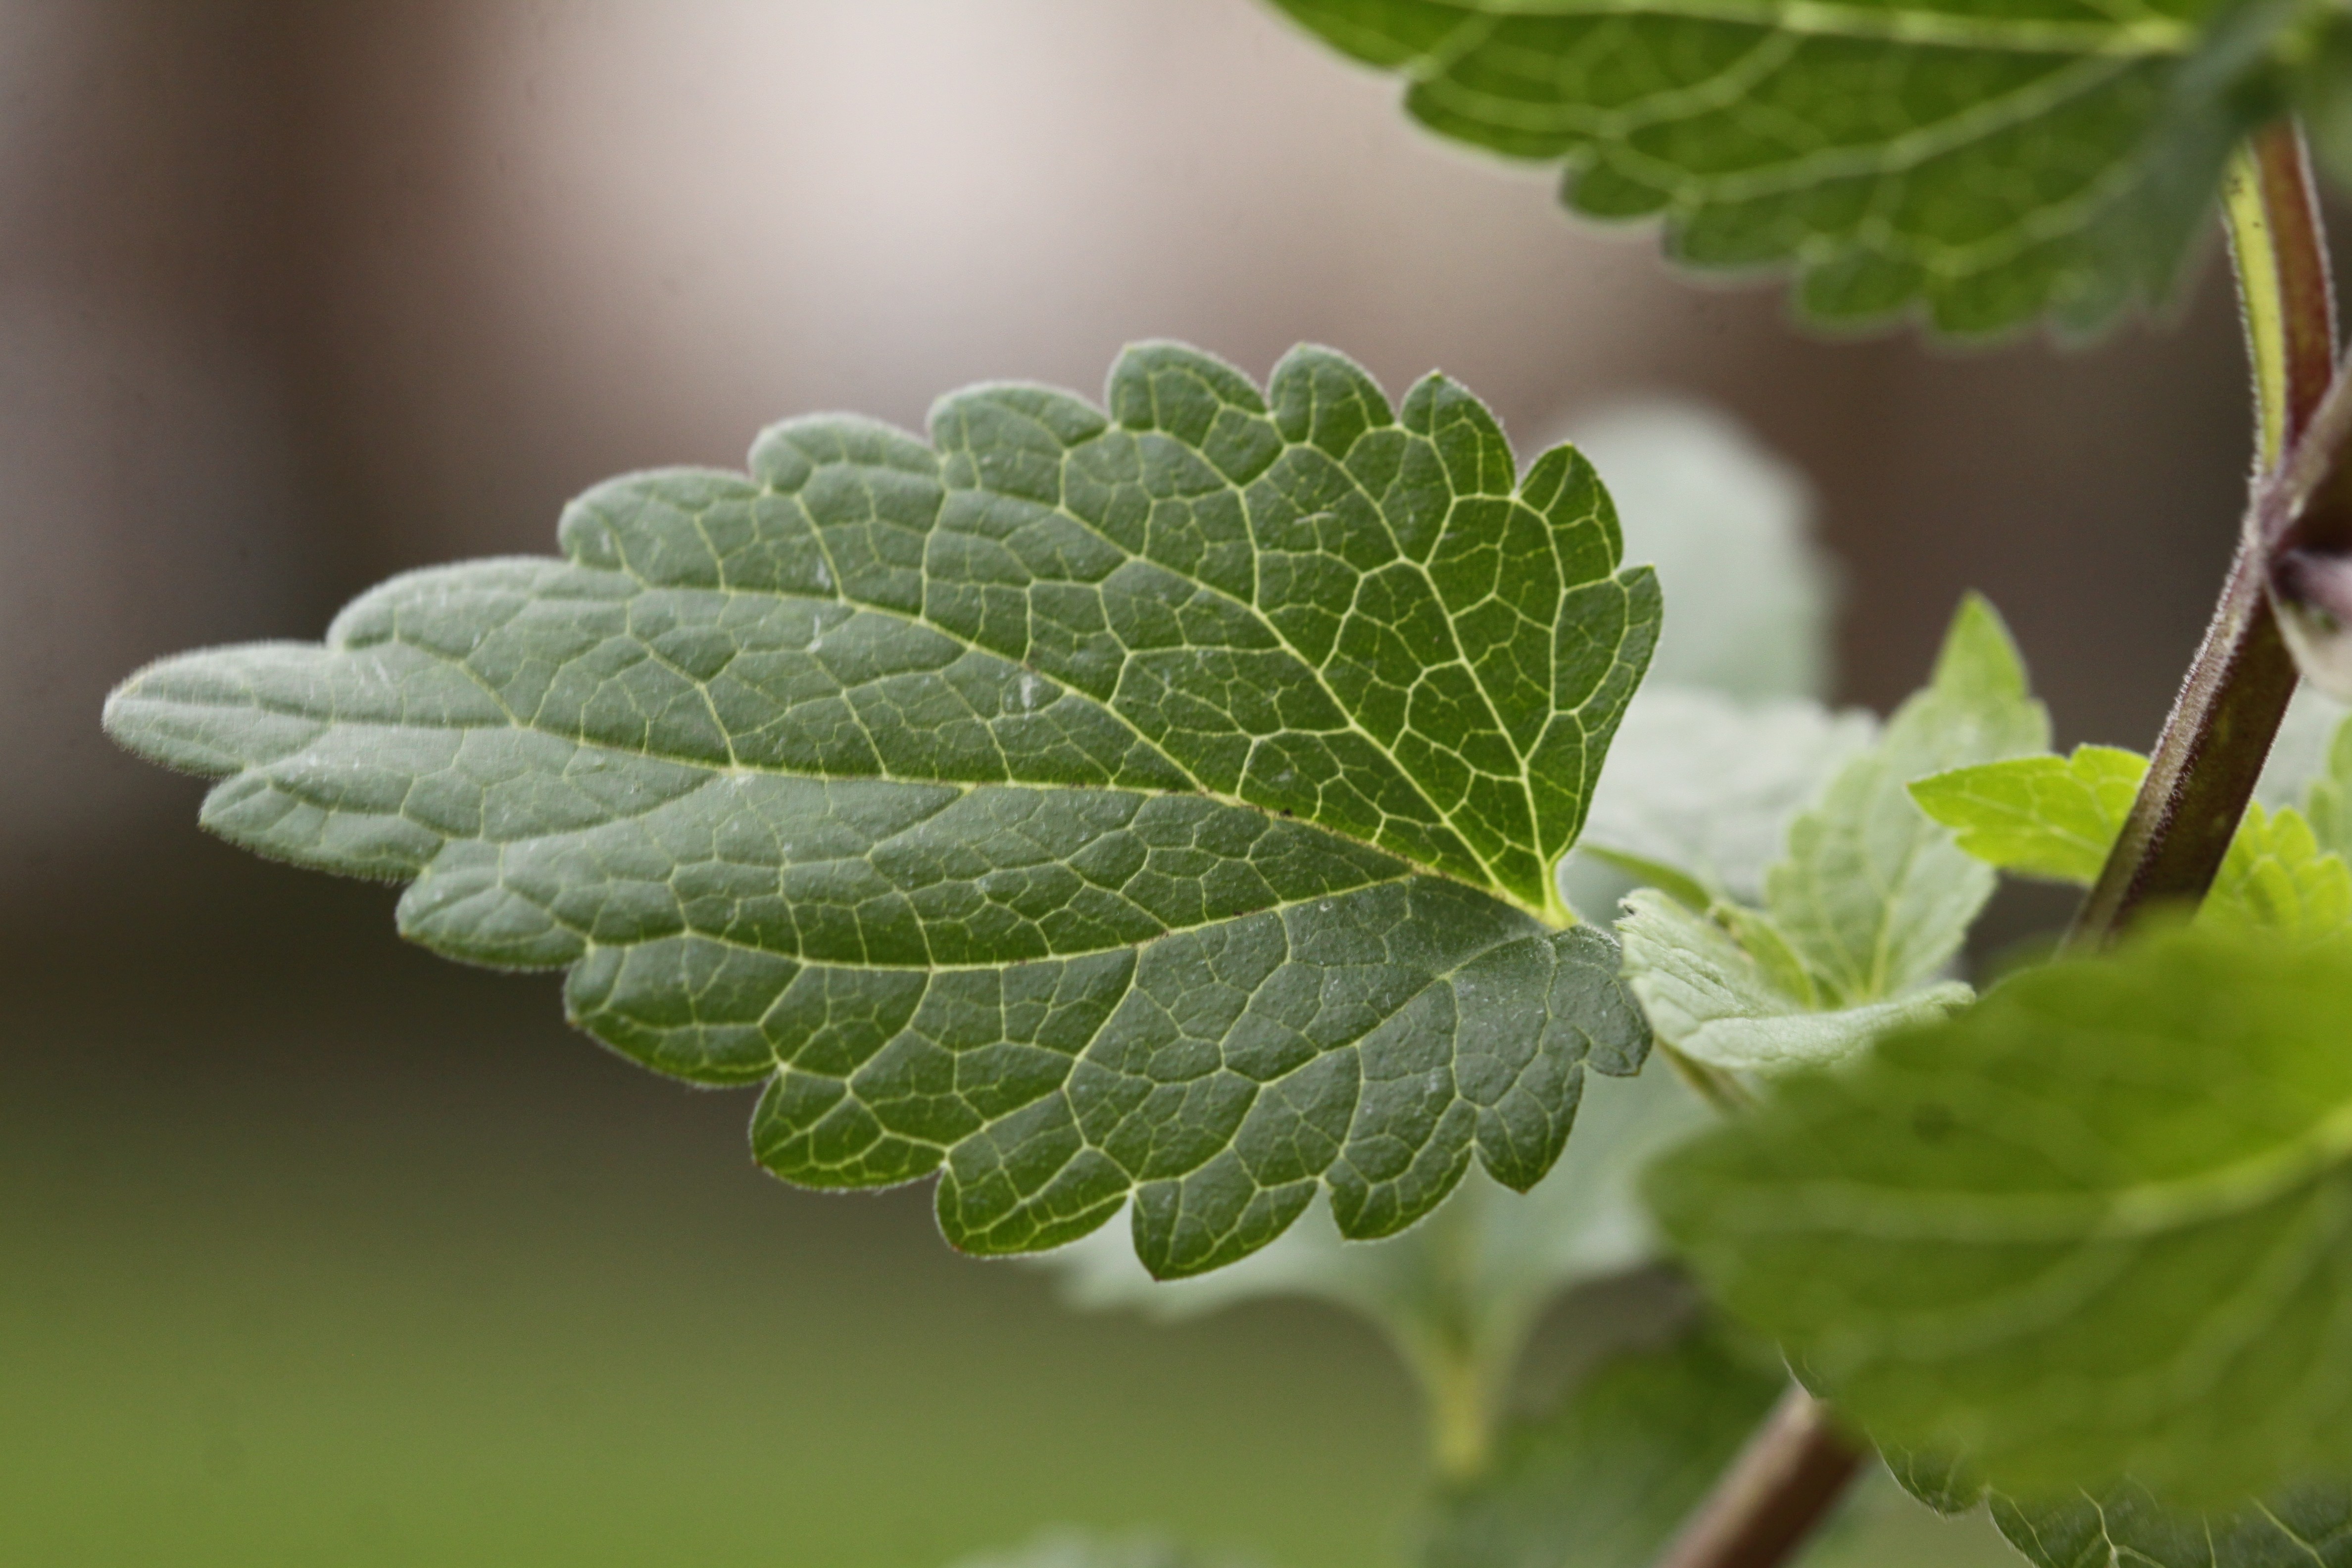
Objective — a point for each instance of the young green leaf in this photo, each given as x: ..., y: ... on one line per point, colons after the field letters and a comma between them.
x: 1709, y: 999
x: 2056, y: 817
x: 1874, y: 897
x: 2095, y: 1226
x: 2040, y: 817
x: 1160, y: 804
x: 2299, y: 751
x: 1866, y: 905
x: 1979, y: 163
x: 1704, y: 788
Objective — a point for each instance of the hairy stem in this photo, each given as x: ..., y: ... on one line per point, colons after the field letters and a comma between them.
x: 2211, y: 750
x: 2220, y: 730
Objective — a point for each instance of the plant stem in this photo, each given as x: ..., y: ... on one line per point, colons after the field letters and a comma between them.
x: 2219, y: 732
x: 1787, y: 1477
x: 2212, y: 748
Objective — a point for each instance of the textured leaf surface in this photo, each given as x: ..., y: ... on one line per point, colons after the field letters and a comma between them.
x: 2057, y: 818
x: 1160, y: 802
x: 2095, y: 1226
x: 1979, y: 162
x: 2125, y: 1526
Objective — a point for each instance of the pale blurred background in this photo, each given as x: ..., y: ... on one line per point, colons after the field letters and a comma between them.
x: 317, y: 1250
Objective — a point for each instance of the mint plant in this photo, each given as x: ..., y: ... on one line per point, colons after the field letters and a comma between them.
x: 1204, y: 807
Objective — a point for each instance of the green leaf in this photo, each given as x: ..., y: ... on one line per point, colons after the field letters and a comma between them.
x: 1459, y: 1293
x: 1979, y: 163
x: 2057, y: 818
x: 2126, y: 1525
x: 2095, y: 1226
x: 1604, y: 1480
x: 1157, y: 804
x: 1708, y: 999
x: 1869, y: 901
x: 2040, y: 817
x: 2276, y: 878
x: 1874, y: 897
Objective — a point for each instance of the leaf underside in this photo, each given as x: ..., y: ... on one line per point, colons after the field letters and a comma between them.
x: 2094, y: 1227
x: 1980, y: 164
x: 2125, y: 1526
x: 1160, y: 802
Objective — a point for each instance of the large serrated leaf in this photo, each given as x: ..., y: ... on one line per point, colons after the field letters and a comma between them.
x: 1980, y: 163
x: 2094, y: 1227
x: 1160, y: 803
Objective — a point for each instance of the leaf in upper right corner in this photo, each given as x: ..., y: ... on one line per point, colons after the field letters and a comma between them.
x: 2098, y: 1224
x: 1873, y: 896
x: 1980, y: 163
